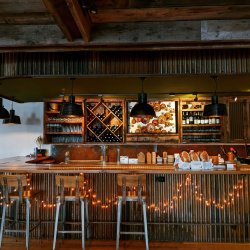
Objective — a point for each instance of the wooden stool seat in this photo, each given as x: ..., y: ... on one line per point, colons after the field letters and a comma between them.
x: 71, y: 190
x: 131, y: 189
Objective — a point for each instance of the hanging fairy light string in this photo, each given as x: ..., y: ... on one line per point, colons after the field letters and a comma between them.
x: 188, y: 189
x: 198, y: 194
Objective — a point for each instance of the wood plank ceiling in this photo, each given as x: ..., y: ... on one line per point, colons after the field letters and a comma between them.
x: 94, y: 24
x: 118, y: 25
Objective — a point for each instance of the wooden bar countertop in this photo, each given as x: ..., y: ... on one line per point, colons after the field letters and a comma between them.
x: 18, y: 165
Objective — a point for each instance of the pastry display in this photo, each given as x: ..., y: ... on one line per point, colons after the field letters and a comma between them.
x: 164, y: 122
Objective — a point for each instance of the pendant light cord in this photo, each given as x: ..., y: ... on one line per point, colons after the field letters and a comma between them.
x: 72, y: 85
x: 216, y: 83
x: 142, y: 80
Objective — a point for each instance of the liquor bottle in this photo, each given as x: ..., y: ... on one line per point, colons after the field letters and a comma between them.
x: 191, y: 118
x: 202, y: 120
x: 195, y: 118
x: 187, y: 118
x: 183, y: 118
x: 206, y: 120
x: 217, y: 120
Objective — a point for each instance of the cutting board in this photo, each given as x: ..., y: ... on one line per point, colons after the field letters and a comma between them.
x: 42, y: 160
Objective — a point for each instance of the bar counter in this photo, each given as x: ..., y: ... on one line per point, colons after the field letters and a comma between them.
x: 18, y: 165
x: 182, y: 205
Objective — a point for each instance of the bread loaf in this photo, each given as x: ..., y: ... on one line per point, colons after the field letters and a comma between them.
x: 194, y: 156
x: 204, y: 156
x: 185, y: 156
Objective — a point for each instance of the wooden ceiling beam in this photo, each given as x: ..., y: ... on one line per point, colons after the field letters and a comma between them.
x: 171, y: 14
x: 60, y: 20
x: 81, y: 18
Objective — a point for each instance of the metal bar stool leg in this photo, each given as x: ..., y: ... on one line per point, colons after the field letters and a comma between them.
x: 145, y: 224
x: 87, y: 217
x: 2, y: 223
x: 63, y: 214
x: 16, y: 204
x: 56, y: 223
x: 82, y: 222
x: 119, y: 211
x: 27, y: 222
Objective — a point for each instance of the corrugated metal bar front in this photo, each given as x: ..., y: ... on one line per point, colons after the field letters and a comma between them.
x: 180, y: 207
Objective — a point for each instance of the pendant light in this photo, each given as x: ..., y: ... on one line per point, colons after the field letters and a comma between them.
x: 13, y: 119
x: 71, y: 109
x: 4, y: 114
x: 142, y: 108
x: 215, y: 108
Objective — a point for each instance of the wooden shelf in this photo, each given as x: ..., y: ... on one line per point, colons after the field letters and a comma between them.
x: 63, y: 133
x: 63, y: 122
x: 199, y: 129
x: 54, y: 123
x: 202, y: 125
x: 52, y: 112
x: 205, y: 133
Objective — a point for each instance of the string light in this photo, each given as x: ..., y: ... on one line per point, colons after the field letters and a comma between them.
x: 169, y: 204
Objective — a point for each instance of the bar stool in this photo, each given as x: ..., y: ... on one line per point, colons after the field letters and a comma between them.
x: 131, y: 189
x: 15, y: 191
x: 71, y: 190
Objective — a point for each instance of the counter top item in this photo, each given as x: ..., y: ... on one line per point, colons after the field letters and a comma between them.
x: 18, y: 164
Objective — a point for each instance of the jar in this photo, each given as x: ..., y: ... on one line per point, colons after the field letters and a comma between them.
x: 230, y: 156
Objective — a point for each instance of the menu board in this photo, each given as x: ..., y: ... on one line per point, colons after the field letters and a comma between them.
x: 164, y: 122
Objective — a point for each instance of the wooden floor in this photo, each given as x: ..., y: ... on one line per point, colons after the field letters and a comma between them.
x: 14, y: 244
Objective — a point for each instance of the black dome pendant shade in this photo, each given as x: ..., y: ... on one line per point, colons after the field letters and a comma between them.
x: 4, y: 114
x: 13, y: 119
x: 142, y: 108
x: 215, y: 109
x: 71, y: 109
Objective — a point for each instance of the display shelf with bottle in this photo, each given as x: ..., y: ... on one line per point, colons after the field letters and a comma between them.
x: 59, y: 129
x: 104, y: 120
x: 196, y: 127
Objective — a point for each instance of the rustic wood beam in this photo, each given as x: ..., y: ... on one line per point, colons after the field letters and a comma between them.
x: 154, y: 46
x: 81, y: 18
x: 129, y: 35
x: 172, y: 14
x: 26, y: 18
x: 59, y: 19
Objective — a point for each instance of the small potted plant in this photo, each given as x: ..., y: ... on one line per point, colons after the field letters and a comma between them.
x: 39, y: 151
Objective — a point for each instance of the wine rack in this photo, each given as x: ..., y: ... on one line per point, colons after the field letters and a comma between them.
x: 104, y: 120
x: 196, y: 127
x: 61, y: 130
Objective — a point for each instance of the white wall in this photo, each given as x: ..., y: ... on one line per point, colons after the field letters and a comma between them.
x: 19, y: 140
